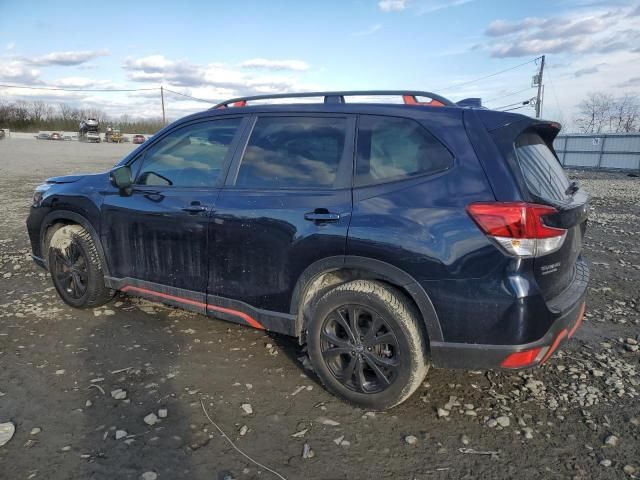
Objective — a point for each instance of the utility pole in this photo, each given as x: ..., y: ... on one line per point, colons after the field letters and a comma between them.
x: 540, y: 90
x: 164, y: 122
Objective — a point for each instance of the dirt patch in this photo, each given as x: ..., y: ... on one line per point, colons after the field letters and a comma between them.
x: 79, y: 384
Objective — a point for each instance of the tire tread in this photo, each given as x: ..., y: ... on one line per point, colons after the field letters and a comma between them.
x: 407, y: 316
x: 99, y: 294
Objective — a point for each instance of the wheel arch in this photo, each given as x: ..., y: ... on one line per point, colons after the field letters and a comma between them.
x: 59, y: 218
x: 330, y: 272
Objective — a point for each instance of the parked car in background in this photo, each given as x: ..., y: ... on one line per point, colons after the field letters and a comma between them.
x: 138, y: 139
x: 55, y: 136
x: 42, y: 136
x: 387, y: 238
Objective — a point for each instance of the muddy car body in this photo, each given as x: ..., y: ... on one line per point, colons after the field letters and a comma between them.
x: 387, y: 237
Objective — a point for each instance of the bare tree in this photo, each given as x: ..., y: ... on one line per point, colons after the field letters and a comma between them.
x: 39, y: 110
x: 625, y: 114
x: 604, y: 113
x: 594, y: 113
x: 68, y: 113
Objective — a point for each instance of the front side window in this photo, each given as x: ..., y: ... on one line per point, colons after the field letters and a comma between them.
x: 293, y: 152
x: 192, y: 156
x: 396, y: 148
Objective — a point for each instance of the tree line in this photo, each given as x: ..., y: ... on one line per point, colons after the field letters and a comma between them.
x: 38, y: 115
x: 598, y: 113
x: 605, y: 113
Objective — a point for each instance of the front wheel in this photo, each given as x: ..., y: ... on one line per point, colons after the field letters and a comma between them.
x: 366, y: 344
x: 76, y: 268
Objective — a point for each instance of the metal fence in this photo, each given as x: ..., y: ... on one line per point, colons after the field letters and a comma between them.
x: 606, y: 151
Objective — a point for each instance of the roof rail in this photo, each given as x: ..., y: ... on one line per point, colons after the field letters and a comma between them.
x: 408, y: 96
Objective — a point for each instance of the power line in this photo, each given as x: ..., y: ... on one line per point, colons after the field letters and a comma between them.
x: 491, y: 75
x: 516, y: 108
x: 508, y: 95
x: 189, y: 96
x: 81, y: 89
x: 523, y: 102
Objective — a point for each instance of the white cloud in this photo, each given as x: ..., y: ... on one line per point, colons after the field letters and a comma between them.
x: 420, y: 7
x: 212, y: 81
x: 368, y: 31
x: 17, y: 71
x: 589, y: 49
x: 216, y: 81
x: 151, y: 63
x: 392, y: 5
x: 633, y: 82
x: 498, y: 28
x: 431, y: 6
x: 69, y: 58
x: 579, y: 32
x: 10, y: 46
x: 79, y: 82
x: 587, y: 70
x: 263, y: 63
x: 157, y: 68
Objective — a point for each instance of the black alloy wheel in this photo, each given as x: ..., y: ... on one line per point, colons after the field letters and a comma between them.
x: 360, y: 349
x: 71, y: 270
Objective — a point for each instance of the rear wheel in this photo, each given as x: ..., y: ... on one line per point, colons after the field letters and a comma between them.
x: 366, y: 344
x: 76, y: 269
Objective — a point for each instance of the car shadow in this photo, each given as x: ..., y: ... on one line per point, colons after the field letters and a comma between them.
x: 136, y: 420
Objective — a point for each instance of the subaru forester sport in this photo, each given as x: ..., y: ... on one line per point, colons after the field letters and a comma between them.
x: 386, y: 237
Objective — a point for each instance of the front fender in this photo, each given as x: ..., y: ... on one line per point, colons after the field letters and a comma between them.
x: 67, y: 216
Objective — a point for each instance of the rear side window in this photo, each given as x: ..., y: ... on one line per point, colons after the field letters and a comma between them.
x: 192, y: 156
x: 396, y: 148
x: 542, y: 171
x: 293, y: 152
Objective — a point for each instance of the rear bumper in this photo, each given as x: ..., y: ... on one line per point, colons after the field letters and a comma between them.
x: 486, y: 356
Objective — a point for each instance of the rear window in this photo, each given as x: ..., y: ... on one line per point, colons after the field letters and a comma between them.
x: 395, y: 148
x: 542, y: 171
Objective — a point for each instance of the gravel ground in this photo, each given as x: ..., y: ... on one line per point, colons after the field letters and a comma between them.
x: 115, y: 392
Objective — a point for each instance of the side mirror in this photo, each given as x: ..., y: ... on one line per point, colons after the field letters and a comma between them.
x: 121, y: 177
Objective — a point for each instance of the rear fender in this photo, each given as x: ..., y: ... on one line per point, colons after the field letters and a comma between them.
x: 374, y: 270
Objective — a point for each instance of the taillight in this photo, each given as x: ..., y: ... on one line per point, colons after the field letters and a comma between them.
x: 523, y: 359
x: 518, y: 227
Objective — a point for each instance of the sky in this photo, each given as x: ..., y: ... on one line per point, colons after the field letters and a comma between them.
x: 215, y: 50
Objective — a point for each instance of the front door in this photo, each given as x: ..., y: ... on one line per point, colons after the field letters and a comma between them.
x: 158, y: 234
x: 286, y: 204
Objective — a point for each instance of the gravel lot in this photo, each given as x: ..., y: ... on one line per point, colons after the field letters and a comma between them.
x: 80, y: 385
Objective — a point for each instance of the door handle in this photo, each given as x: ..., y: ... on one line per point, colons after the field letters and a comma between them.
x: 322, y: 215
x: 194, y: 208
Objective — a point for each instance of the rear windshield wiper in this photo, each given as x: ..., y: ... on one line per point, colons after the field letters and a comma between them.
x: 572, y: 188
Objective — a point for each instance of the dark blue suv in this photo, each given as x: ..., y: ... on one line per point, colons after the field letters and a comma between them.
x: 387, y: 237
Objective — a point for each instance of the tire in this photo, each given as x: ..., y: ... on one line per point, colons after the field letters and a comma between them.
x: 76, y: 269
x: 391, y: 346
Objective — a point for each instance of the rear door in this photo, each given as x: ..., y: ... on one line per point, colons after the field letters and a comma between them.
x: 286, y: 203
x: 548, y: 184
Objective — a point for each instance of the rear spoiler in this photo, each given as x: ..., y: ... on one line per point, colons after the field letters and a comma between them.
x: 470, y: 102
x: 494, y: 120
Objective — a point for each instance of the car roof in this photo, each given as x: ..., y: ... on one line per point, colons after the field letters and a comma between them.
x: 349, y: 108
